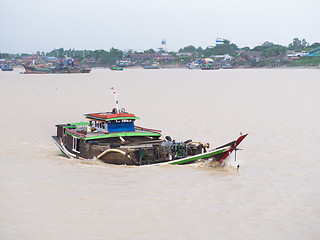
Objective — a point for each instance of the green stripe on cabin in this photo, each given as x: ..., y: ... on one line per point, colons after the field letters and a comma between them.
x: 118, y: 134
x: 125, y: 134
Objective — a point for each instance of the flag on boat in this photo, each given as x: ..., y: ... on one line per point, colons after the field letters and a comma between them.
x: 114, y: 91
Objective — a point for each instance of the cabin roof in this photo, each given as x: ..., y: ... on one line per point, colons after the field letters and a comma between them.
x: 110, y: 116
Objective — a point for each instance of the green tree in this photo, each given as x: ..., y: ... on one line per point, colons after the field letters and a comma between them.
x: 221, y: 49
x: 130, y: 51
x: 304, y: 44
x: 263, y: 47
x: 246, y: 49
x: 199, y: 49
x: 98, y: 54
x: 115, y: 54
x: 274, y: 51
x: 298, y: 45
x: 5, y: 55
x: 59, y: 53
x: 314, y: 45
x: 149, y: 51
x: 189, y: 48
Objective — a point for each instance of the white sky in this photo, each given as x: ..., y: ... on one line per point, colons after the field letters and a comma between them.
x: 28, y: 26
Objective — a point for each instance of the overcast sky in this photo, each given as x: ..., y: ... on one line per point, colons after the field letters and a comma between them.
x: 28, y: 26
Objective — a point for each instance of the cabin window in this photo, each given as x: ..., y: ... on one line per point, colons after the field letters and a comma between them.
x: 75, y: 144
x: 121, y: 126
x: 101, y: 125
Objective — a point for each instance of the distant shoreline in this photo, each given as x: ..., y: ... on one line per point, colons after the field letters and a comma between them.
x: 184, y: 67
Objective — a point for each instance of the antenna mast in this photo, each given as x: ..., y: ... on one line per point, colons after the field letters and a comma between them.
x: 115, y: 98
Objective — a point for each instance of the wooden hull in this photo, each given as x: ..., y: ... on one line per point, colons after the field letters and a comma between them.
x: 144, y: 154
x: 6, y: 68
x: 209, y: 68
x: 43, y: 70
x: 116, y: 68
x: 151, y: 67
x: 86, y: 70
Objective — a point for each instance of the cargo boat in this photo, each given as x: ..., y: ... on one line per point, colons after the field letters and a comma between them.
x: 116, y: 68
x: 113, y: 138
x: 66, y: 66
x: 209, y: 67
x: 6, y: 68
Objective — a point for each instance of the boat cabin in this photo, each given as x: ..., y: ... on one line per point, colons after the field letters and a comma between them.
x: 111, y: 122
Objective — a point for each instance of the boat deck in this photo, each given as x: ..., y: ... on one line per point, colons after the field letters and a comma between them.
x: 84, y: 134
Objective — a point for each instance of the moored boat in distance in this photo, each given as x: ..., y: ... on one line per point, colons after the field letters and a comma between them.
x: 85, y: 69
x: 113, y: 138
x: 6, y: 68
x: 151, y: 66
x: 209, y: 67
x: 116, y: 68
x: 66, y: 66
x: 193, y: 65
x: 203, y: 64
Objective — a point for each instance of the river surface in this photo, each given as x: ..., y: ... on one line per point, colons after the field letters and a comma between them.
x: 274, y: 195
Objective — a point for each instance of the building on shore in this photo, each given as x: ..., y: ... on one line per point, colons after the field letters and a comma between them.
x: 151, y: 56
x: 314, y: 52
x: 292, y: 56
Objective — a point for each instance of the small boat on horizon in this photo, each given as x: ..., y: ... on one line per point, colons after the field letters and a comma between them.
x: 6, y: 68
x: 193, y: 65
x: 116, y: 68
x: 113, y: 138
x: 66, y: 66
x: 151, y: 66
x: 209, y: 67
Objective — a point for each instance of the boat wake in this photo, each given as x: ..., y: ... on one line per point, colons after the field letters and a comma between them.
x: 231, y: 163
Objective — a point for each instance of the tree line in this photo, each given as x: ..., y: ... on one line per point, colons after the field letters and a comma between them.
x: 267, y: 49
